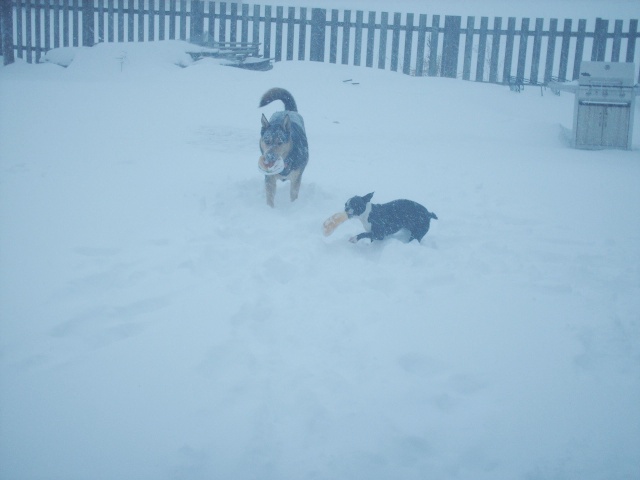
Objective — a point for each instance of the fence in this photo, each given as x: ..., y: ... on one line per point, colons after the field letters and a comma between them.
x: 431, y: 45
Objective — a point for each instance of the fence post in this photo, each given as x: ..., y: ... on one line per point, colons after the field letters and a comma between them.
x: 318, y: 27
x: 599, y: 40
x: 197, y: 22
x: 88, y: 24
x: 6, y: 32
x: 451, y: 46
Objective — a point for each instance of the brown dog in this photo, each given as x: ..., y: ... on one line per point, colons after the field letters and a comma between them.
x: 283, y: 143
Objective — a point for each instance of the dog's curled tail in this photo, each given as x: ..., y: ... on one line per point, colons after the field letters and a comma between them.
x: 279, y: 94
x: 433, y: 215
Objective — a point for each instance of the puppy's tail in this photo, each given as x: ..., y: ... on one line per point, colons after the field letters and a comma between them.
x: 279, y: 94
x: 433, y: 215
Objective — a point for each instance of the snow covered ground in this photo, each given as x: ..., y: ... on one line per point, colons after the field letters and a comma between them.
x: 159, y: 321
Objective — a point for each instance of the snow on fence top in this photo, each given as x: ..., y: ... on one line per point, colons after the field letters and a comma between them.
x: 484, y: 49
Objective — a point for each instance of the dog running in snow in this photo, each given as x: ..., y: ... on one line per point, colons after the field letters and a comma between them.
x: 382, y: 220
x: 283, y: 144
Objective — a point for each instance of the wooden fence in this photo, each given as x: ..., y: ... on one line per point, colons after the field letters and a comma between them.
x: 479, y: 49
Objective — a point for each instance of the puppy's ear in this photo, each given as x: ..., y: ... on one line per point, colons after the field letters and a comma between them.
x: 265, y: 122
x: 367, y: 198
x: 286, y: 123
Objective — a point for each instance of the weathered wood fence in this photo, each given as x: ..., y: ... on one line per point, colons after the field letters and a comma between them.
x: 480, y: 49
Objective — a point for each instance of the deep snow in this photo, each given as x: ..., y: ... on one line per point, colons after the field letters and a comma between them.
x: 158, y: 320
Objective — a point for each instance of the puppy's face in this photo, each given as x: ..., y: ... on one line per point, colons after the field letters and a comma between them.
x: 356, y: 206
x: 275, y: 140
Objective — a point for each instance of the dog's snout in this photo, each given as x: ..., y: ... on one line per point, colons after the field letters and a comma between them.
x: 271, y: 157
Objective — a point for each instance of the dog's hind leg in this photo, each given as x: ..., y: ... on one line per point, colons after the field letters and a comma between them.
x: 296, y: 180
x: 270, y: 189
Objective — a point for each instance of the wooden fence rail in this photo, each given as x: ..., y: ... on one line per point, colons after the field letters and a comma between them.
x: 479, y: 49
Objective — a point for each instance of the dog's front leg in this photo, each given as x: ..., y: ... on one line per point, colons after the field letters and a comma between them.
x: 270, y: 189
x: 296, y: 180
x: 360, y: 236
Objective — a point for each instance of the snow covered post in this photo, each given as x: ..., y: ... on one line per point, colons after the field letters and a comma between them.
x: 6, y: 31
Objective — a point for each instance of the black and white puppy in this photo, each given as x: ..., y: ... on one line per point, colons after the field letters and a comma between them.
x: 382, y: 220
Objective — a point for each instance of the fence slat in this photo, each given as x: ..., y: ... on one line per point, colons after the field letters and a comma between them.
x: 141, y: 15
x: 537, y: 47
x: 47, y: 25
x: 161, y: 19
x: 38, y: 32
x: 66, y: 24
x: 522, y: 49
x: 6, y: 14
x: 371, y: 33
x: 551, y: 50
x: 197, y: 21
x: 291, y: 17
x: 172, y: 19
x: 255, y: 35
x: 581, y: 35
x: 422, y: 34
x: 408, y: 45
x: 357, y: 53
x: 183, y: 19
x: 318, y: 20
x: 482, y: 48
x: 233, y: 23
x: 279, y: 22
x: 333, y: 37
x: 495, y: 49
x: 151, y: 22
x: 434, y: 64
x: 130, y: 23
x: 631, y: 42
x: 395, y: 42
x: 599, y: 40
x: 508, y: 50
x: 244, y: 35
x: 222, y: 23
x: 76, y: 23
x: 302, y: 34
x: 451, y: 46
x: 564, y: 50
x: 88, y: 24
x: 346, y: 31
x: 468, y: 48
x: 267, y: 31
x: 617, y: 41
x: 384, y: 25
x: 27, y: 6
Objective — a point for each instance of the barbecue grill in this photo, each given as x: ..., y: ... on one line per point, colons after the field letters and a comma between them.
x: 605, y: 94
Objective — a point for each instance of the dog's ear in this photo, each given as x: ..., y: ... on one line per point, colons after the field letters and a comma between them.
x: 265, y: 122
x: 367, y: 198
x: 286, y: 123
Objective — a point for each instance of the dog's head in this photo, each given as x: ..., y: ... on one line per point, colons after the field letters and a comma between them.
x: 356, y: 206
x: 275, y: 140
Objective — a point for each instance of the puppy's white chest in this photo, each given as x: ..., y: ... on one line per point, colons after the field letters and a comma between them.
x: 364, y: 218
